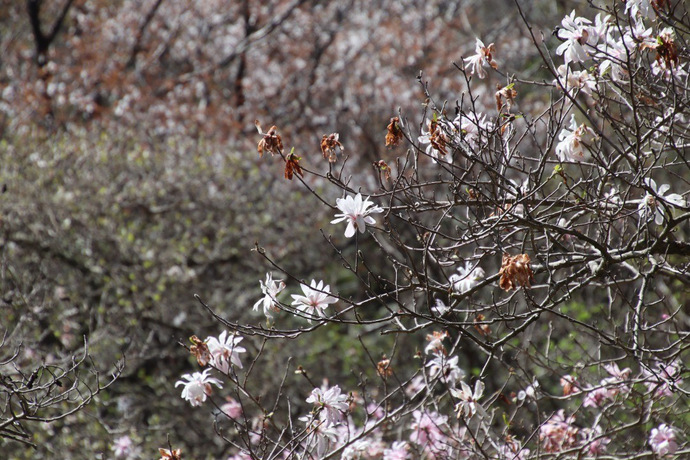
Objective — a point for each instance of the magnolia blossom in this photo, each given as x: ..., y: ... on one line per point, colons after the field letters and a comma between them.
x: 316, y: 298
x: 576, y: 33
x: 330, y: 402
x: 270, y: 289
x: 125, y: 448
x: 570, y: 146
x: 609, y: 388
x: 663, y: 378
x: 440, y: 308
x: 445, y: 369
x: 435, y: 344
x: 322, y: 436
x: 426, y: 428
x: 398, y: 451
x: 558, y: 432
x: 471, y: 127
x: 225, y: 351
x: 356, y: 212
x: 232, y: 408
x: 613, y: 53
x: 641, y: 7
x: 197, y: 386
x: 513, y: 450
x: 575, y: 79
x: 661, y: 68
x: 483, y: 57
x: 468, y: 405
x: 663, y: 440
x: 467, y: 278
x: 594, y: 440
x: 649, y: 206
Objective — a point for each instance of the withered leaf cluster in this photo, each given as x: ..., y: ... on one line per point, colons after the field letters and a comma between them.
x: 383, y: 368
x: 292, y: 166
x: 330, y: 146
x: 394, y: 134
x: 270, y: 142
x: 505, y: 97
x: 515, y: 271
x: 200, y: 350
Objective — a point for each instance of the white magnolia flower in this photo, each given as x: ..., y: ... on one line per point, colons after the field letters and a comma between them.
x: 468, y: 277
x: 576, y: 33
x: 650, y: 208
x: 270, y: 289
x: 445, y: 369
x: 471, y: 127
x: 571, y: 145
x: 575, y: 79
x: 468, y: 405
x: 332, y: 403
x: 197, y: 386
x: 641, y: 7
x: 440, y: 308
x: 356, y: 212
x: 225, y: 351
x: 483, y: 57
x: 663, y: 440
x: 315, y: 299
x: 612, y: 55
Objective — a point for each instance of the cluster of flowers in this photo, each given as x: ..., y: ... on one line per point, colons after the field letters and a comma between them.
x: 559, y: 432
x: 315, y: 299
x: 221, y: 353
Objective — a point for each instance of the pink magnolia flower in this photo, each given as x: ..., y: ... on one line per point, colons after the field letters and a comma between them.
x: 270, y: 289
x: 663, y: 378
x: 558, y: 432
x: 483, y: 57
x: 594, y: 440
x: 356, y: 212
x: 513, y: 450
x: 596, y: 397
x: 663, y: 440
x: 124, y: 447
x: 197, y: 386
x: 426, y: 428
x: 322, y: 436
x: 330, y: 402
x: 232, y: 408
x: 398, y: 451
x: 225, y: 351
x: 315, y: 300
